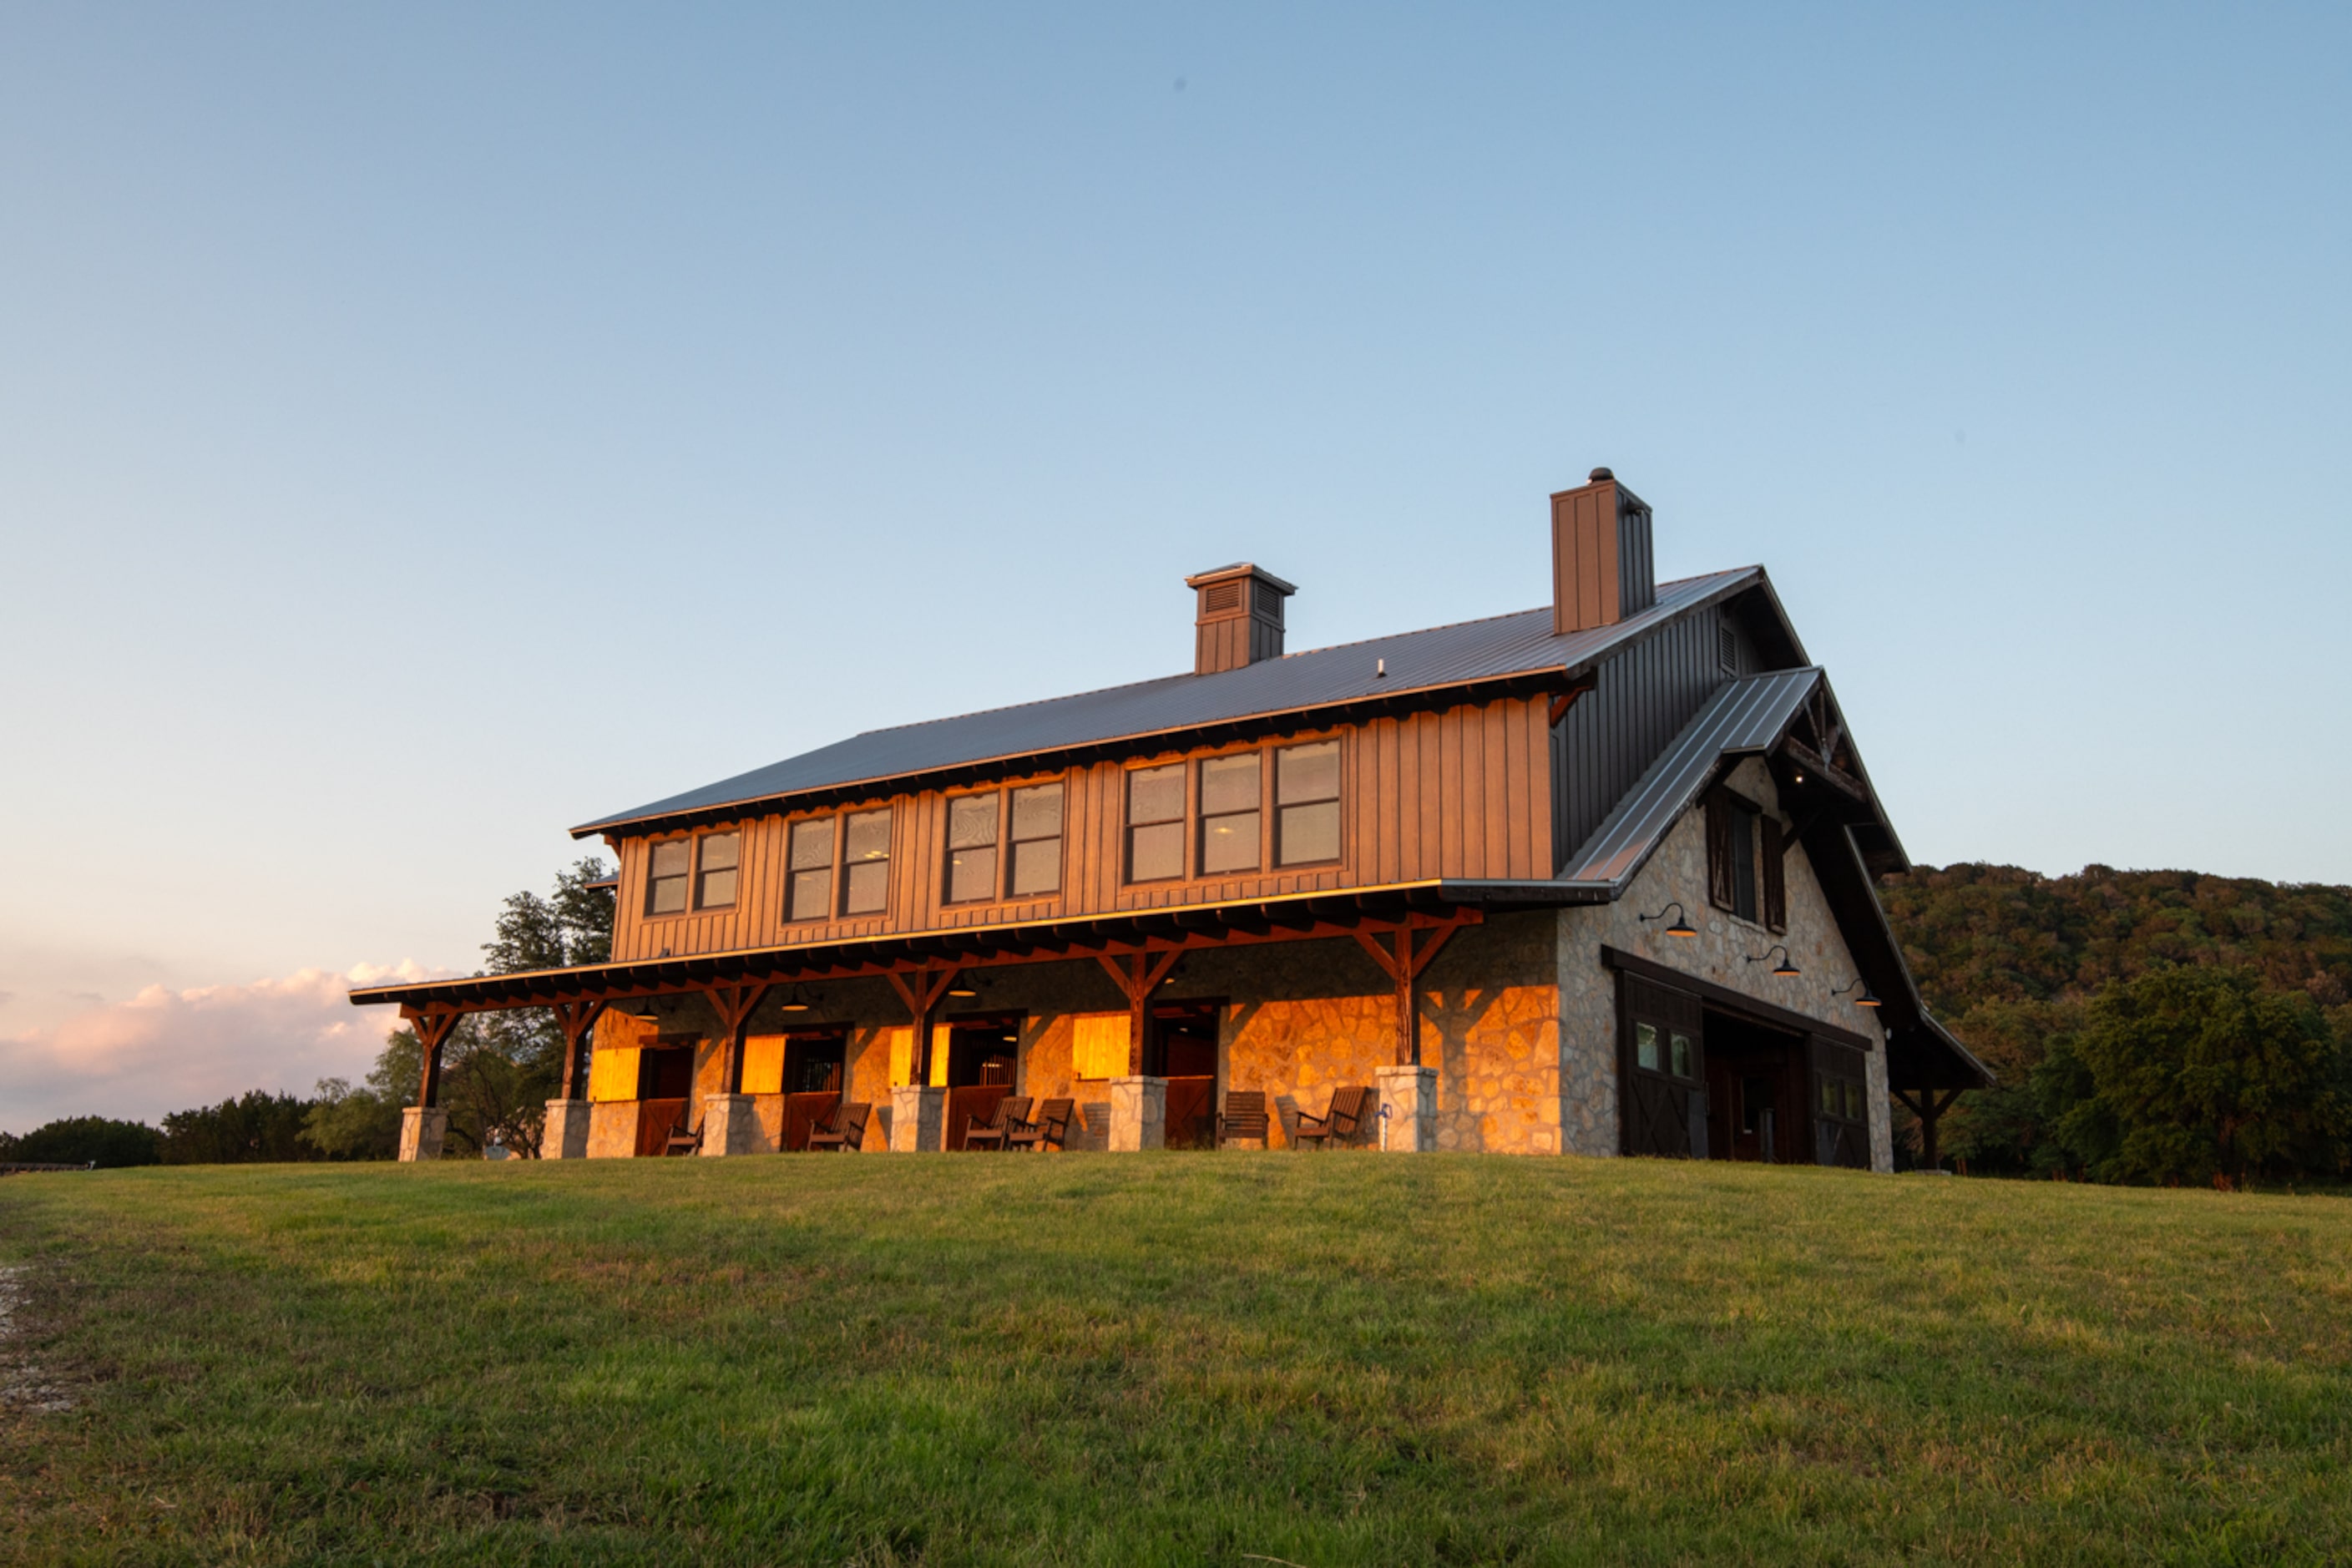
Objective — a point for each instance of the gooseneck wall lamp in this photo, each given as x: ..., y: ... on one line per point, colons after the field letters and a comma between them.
x: 1784, y: 970
x: 1682, y: 926
x: 1865, y: 1000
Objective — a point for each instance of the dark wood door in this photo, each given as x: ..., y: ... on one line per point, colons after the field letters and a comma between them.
x: 1192, y: 1112
x: 1840, y: 1110
x: 803, y: 1112
x: 657, y: 1120
x: 1661, y: 1070
x: 1185, y: 1042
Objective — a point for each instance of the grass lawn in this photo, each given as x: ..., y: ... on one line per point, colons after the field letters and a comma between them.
x: 1223, y: 1359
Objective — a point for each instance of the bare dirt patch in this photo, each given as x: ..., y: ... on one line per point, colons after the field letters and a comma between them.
x: 24, y: 1386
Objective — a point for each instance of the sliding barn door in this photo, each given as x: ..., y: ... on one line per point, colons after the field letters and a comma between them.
x: 1661, y: 1070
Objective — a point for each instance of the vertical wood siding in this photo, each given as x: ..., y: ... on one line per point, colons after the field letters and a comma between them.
x: 1464, y: 794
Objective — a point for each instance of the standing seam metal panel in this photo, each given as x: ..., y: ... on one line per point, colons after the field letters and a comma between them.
x: 1642, y: 700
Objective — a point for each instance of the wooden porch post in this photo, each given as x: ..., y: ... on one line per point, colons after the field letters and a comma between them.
x: 575, y: 1018
x: 1402, y: 963
x: 432, y: 1030
x: 922, y: 991
x: 735, y: 1005
x: 1929, y: 1109
x: 1138, y: 975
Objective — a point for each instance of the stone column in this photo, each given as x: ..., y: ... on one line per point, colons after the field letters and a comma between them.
x: 1408, y: 1108
x: 423, y: 1130
x: 730, y: 1125
x: 1139, y: 1113
x: 566, y: 1134
x: 919, y: 1116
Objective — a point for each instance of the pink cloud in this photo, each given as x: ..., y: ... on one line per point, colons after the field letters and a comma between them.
x: 167, y: 1050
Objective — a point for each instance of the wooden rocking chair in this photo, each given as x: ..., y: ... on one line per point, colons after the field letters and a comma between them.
x: 1011, y: 1112
x: 843, y: 1129
x: 1051, y: 1128
x: 1340, y: 1119
x: 1242, y: 1117
x: 684, y: 1142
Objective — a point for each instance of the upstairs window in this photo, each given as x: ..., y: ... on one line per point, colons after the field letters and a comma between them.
x: 1745, y: 868
x: 1307, y: 804
x: 665, y: 877
x: 865, y: 862
x: 1037, y: 841
x: 1155, y: 823
x: 808, y: 889
x: 1229, y: 814
x: 714, y: 885
x: 971, y: 848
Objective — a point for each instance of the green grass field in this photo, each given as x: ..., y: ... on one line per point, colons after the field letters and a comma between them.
x: 1220, y: 1359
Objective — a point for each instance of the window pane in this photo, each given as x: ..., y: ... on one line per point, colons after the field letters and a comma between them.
x: 869, y: 835
x: 1037, y: 865
x: 1308, y: 834
x: 1829, y: 1096
x: 1306, y: 773
x: 1853, y: 1102
x: 972, y: 874
x: 1156, y: 794
x: 812, y: 844
x: 670, y: 858
x: 1229, y: 843
x: 1645, y: 1046
x: 720, y: 851
x: 1229, y: 783
x: 718, y: 888
x: 971, y: 821
x: 1037, y: 812
x: 1682, y: 1055
x: 812, y: 897
x: 1155, y: 853
x: 1743, y: 863
x: 870, y: 886
x: 668, y: 896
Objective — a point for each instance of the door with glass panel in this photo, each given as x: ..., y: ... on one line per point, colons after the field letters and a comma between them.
x: 1661, y: 1070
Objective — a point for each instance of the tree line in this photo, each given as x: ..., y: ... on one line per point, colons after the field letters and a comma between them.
x: 2150, y: 1027
x: 499, y: 1070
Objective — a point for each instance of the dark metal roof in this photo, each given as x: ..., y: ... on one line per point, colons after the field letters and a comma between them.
x: 1442, y: 657
x: 1745, y: 717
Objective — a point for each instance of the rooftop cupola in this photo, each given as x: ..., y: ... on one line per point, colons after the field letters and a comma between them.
x: 1239, y: 618
x: 1601, y: 565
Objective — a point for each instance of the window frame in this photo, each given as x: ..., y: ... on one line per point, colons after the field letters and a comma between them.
x: 1202, y: 816
x: 1730, y: 813
x: 702, y: 904
x: 685, y: 879
x: 842, y: 883
x: 831, y: 820
x: 1009, y: 842
x: 1336, y: 800
x: 1182, y: 822
x: 995, y: 846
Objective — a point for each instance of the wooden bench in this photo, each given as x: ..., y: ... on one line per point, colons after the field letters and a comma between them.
x: 1011, y: 1112
x: 1340, y: 1119
x: 1050, y: 1129
x: 844, y: 1131
x: 1242, y: 1117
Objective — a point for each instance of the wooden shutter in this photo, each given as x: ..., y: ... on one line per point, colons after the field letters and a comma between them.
x: 1720, y: 883
x: 1775, y: 884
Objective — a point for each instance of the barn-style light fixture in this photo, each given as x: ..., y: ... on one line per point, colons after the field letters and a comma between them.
x: 791, y: 1007
x: 1682, y: 926
x: 1864, y: 1000
x: 1784, y: 970
x: 961, y: 991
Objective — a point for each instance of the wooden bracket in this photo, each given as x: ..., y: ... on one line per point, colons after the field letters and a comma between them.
x: 735, y: 1005
x: 1138, y: 975
x: 433, y: 1029
x: 1404, y: 961
x: 1564, y: 700
x: 921, y: 989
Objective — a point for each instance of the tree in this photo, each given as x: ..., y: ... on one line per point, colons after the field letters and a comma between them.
x: 2199, y: 1073
x: 87, y: 1140
x: 497, y: 1069
x: 257, y: 1127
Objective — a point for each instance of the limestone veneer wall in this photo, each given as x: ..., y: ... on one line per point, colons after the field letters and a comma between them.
x: 1677, y: 871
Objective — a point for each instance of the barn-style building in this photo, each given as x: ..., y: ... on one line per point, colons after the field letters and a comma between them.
x: 1595, y: 877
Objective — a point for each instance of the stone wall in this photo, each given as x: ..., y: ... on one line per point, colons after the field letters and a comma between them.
x: 1718, y: 953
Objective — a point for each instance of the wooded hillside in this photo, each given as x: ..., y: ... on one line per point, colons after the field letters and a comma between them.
x: 2162, y: 1026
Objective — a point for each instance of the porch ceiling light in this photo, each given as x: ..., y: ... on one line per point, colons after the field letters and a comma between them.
x: 791, y: 1007
x: 961, y: 991
x: 1784, y: 970
x: 1865, y: 999
x: 1682, y: 926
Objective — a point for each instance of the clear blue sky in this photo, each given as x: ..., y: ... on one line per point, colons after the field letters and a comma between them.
x: 423, y: 428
